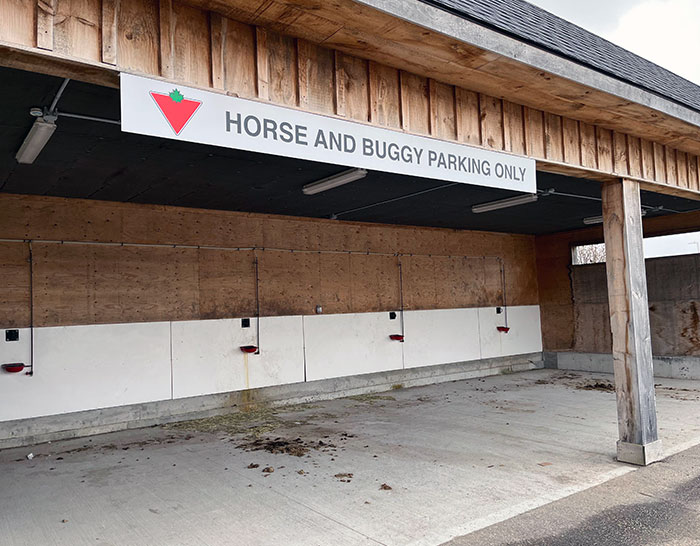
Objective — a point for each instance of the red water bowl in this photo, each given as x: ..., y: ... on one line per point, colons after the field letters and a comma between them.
x: 249, y: 349
x: 396, y: 337
x: 15, y: 367
x: 504, y: 329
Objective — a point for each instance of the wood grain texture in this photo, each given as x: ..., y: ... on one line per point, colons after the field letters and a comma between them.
x: 273, y: 51
x: 93, y: 284
x: 217, y: 33
x: 19, y: 24
x: 45, y: 13
x: 139, y: 45
x: 468, y: 116
x: 620, y: 153
x: 110, y: 12
x: 571, y: 141
x: 15, y: 278
x: 415, y: 103
x: 629, y: 313
x: 442, y: 111
x: 352, y: 87
x: 191, y: 55
x: 316, y: 78
x: 589, y: 156
x: 513, y: 128
x: 553, y: 137
x: 282, y: 69
x: 659, y: 162
x: 534, y: 133
x: 385, y: 96
x: 167, y: 38
x: 76, y: 29
x: 647, y: 160
x: 239, y: 59
x: 491, y: 112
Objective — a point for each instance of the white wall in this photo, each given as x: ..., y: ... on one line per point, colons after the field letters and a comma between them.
x: 351, y: 344
x: 441, y: 336
x: 207, y: 357
x: 89, y: 367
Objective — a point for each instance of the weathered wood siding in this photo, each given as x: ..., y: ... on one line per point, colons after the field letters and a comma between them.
x: 189, y: 44
x: 306, y: 262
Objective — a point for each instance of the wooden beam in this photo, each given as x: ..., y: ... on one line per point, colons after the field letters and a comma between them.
x: 629, y: 321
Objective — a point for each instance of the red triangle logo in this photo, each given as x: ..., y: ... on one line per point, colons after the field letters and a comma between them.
x: 176, y: 109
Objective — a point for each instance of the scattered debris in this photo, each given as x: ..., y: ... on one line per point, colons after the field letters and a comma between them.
x: 385, y: 487
x: 604, y: 386
x: 253, y: 465
x: 370, y: 398
x: 268, y: 470
x: 344, y: 476
x: 295, y: 447
x: 254, y: 421
x: 301, y: 472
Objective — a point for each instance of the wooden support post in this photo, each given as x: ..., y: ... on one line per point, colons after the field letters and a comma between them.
x: 629, y: 321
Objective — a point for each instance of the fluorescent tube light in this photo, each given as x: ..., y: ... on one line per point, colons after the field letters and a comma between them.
x: 38, y: 136
x: 334, y: 181
x: 593, y: 220
x: 505, y: 203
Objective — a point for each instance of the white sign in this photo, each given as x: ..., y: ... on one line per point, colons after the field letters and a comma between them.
x: 162, y: 109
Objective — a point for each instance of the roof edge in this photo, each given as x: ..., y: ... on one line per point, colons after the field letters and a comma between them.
x: 480, y: 35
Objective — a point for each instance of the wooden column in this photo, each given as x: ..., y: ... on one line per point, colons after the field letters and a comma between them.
x: 629, y: 321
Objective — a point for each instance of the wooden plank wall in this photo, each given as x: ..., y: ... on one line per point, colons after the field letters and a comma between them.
x: 172, y: 39
x: 554, y: 277
x: 111, y: 283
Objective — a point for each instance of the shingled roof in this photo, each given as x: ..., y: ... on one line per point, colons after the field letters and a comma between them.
x: 529, y: 23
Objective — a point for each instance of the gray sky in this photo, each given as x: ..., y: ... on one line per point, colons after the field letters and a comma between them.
x: 666, y: 32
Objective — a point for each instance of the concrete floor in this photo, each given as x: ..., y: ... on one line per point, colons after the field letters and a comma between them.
x: 458, y: 457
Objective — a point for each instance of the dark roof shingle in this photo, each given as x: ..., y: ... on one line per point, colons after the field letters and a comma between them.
x: 536, y: 26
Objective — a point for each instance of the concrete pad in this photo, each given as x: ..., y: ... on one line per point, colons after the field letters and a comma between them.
x: 457, y: 456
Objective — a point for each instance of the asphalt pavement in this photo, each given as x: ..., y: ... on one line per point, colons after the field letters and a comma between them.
x: 656, y: 505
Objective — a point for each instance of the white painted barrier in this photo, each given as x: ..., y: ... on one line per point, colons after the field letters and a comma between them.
x: 89, y: 367
x: 351, y: 344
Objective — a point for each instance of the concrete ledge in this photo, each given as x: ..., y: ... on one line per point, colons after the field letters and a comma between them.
x: 638, y: 454
x: 671, y: 367
x: 23, y: 432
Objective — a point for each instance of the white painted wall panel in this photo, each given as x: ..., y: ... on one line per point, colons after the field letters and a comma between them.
x: 351, y: 344
x: 207, y: 358
x: 489, y: 335
x: 441, y: 336
x: 525, y: 335
x: 88, y: 367
x: 281, y: 358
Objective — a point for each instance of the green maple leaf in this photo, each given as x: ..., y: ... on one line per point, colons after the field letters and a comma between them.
x: 176, y: 95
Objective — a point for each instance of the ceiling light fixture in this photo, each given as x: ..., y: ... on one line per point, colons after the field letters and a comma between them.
x: 36, y: 139
x: 594, y: 220
x: 505, y: 203
x: 334, y: 181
